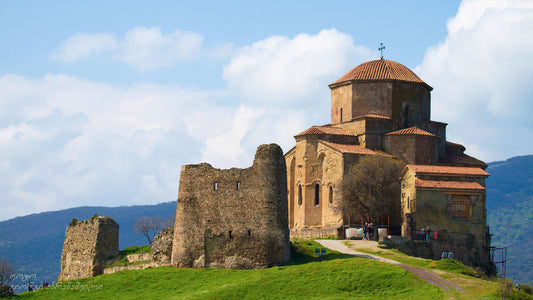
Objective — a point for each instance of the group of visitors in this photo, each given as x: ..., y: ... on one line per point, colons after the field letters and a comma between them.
x: 31, y: 287
x: 368, y: 231
x: 425, y: 235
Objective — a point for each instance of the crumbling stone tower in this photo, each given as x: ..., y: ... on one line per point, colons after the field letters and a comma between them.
x: 88, y: 246
x: 234, y: 218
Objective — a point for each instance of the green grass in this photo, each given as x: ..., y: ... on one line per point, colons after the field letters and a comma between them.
x: 333, y: 276
x: 305, y: 276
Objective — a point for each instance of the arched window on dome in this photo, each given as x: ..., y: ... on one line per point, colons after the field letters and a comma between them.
x: 341, y: 114
x: 406, y: 117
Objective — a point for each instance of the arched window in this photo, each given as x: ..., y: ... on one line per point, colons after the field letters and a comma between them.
x: 406, y: 117
x: 330, y: 194
x: 317, y: 194
x: 341, y: 114
x: 299, y: 194
x: 238, y: 185
x: 215, y: 186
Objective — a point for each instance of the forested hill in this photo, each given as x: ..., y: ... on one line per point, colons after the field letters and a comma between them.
x: 510, y: 213
x: 33, y: 243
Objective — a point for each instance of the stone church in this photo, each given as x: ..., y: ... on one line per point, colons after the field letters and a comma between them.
x: 383, y: 108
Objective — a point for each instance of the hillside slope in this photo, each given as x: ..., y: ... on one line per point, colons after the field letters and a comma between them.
x: 510, y: 213
x: 306, y: 276
x: 33, y: 243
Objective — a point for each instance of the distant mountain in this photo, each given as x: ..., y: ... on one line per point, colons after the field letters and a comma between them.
x: 510, y: 213
x: 33, y: 243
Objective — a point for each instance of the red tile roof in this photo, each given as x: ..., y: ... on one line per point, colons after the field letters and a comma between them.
x: 371, y: 116
x: 462, y: 159
x: 439, y: 184
x: 455, y: 145
x: 411, y: 131
x: 353, y: 149
x: 447, y: 170
x: 381, y: 69
x: 317, y: 130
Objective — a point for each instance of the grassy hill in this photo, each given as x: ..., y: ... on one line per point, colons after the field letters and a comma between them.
x: 510, y: 213
x: 335, y: 276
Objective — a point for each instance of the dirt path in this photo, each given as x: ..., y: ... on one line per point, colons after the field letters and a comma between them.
x: 429, y: 277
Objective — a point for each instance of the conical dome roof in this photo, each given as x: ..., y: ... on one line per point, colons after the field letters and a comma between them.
x: 380, y: 70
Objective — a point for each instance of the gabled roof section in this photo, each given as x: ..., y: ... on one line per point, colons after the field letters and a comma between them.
x: 447, y: 170
x: 350, y: 149
x: 462, y: 159
x: 326, y: 129
x: 371, y: 116
x: 455, y: 145
x: 412, y: 131
x: 380, y: 70
x: 440, y: 184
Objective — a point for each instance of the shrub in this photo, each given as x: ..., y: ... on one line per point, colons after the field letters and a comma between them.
x: 6, y: 291
x: 73, y: 222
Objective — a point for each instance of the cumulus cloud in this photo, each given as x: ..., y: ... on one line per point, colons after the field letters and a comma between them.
x: 81, y: 46
x: 482, y: 74
x: 144, y: 48
x: 149, y: 48
x: 283, y: 70
x: 66, y: 141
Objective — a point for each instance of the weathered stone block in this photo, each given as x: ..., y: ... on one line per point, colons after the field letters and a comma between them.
x: 88, y: 247
x: 162, y: 247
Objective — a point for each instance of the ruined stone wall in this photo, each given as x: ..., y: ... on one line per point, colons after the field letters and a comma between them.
x: 162, y: 247
x: 433, y: 250
x: 234, y: 218
x: 87, y: 248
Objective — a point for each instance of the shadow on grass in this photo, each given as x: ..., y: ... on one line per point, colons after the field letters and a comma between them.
x: 303, y: 252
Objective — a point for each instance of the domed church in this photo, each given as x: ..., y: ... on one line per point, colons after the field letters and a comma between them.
x: 382, y: 108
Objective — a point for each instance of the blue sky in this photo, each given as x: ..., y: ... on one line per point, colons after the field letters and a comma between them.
x: 103, y: 101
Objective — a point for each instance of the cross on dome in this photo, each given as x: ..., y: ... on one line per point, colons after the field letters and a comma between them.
x: 381, y: 47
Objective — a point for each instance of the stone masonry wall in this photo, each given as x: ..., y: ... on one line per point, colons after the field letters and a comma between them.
x: 234, y: 218
x: 87, y: 248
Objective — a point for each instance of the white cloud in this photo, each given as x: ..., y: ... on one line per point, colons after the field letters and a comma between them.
x: 149, y: 49
x: 144, y: 48
x: 67, y: 142
x: 482, y: 74
x: 81, y: 46
x: 288, y: 71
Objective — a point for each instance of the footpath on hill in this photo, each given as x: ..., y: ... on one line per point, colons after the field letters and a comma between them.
x: 429, y: 277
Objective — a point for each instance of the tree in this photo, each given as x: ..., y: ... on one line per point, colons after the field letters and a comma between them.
x: 7, y: 271
x: 150, y: 226
x: 371, y: 189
